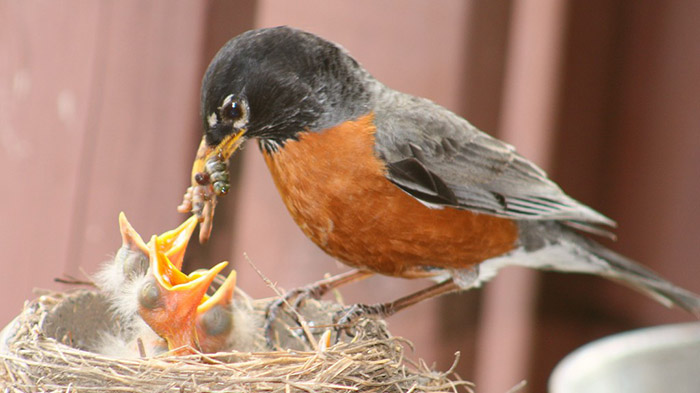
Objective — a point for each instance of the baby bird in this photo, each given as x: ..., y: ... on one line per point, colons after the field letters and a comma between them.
x: 177, y: 308
x: 214, y: 317
x: 118, y: 277
x: 159, y: 308
x: 224, y: 324
x: 121, y: 278
x: 167, y: 299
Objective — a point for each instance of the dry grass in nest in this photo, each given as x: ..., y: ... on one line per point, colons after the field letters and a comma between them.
x: 373, y: 361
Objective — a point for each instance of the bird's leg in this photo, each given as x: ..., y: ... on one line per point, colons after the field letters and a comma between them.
x: 348, y: 316
x: 315, y: 291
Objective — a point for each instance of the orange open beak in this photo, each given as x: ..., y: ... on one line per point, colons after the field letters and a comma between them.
x: 223, y: 296
x: 135, y: 252
x: 174, y: 243
x: 214, y: 320
x: 169, y: 302
x: 130, y: 238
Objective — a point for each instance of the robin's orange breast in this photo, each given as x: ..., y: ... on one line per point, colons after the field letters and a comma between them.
x: 337, y: 192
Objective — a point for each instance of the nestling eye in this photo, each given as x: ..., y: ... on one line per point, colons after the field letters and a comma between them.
x: 234, y: 110
x: 149, y: 295
x: 217, y: 320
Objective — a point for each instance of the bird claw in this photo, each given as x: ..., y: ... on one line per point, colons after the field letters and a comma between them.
x: 345, y: 319
x: 295, y: 299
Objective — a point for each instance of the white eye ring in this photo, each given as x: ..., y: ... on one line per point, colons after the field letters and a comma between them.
x: 234, y: 110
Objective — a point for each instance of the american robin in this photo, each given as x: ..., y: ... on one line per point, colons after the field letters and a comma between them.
x: 168, y: 301
x: 118, y: 277
x: 178, y: 309
x: 120, y: 280
x: 152, y: 298
x: 131, y: 339
x: 390, y: 183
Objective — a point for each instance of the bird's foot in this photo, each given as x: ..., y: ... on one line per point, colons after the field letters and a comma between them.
x: 295, y: 299
x: 347, y: 318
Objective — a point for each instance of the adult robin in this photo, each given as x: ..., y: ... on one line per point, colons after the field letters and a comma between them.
x: 390, y: 183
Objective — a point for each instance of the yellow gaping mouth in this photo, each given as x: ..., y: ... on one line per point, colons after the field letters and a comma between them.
x: 172, y: 243
x: 181, y: 299
x: 171, y: 278
x: 223, y: 295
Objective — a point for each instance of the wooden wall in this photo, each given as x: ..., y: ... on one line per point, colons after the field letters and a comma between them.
x: 99, y: 113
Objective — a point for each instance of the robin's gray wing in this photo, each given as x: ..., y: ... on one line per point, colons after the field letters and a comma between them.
x: 441, y: 159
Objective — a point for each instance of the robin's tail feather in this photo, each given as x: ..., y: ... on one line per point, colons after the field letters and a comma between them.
x: 549, y: 245
x: 636, y: 276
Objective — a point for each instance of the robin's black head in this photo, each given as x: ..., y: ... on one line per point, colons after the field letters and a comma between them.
x: 274, y: 83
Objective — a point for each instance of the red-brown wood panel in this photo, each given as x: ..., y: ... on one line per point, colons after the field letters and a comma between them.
x: 224, y: 19
x: 99, y: 107
x: 657, y: 149
x: 48, y: 66
x: 529, y: 107
x: 144, y: 101
x: 569, y: 314
x: 628, y: 144
x: 98, y: 99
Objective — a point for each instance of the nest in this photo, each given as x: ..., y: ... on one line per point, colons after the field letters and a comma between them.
x: 45, y: 349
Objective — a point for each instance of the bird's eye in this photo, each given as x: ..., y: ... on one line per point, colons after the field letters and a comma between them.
x: 234, y: 110
x: 217, y: 320
x: 149, y: 295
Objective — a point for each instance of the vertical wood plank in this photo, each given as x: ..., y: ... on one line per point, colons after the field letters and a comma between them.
x: 657, y: 151
x: 568, y: 314
x: 98, y: 101
x: 44, y: 84
x: 141, y: 112
x: 628, y: 136
x: 481, y: 94
x: 224, y: 20
x: 529, y: 108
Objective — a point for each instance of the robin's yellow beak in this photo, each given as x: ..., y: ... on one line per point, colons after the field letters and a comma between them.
x: 211, y: 163
x: 210, y: 178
